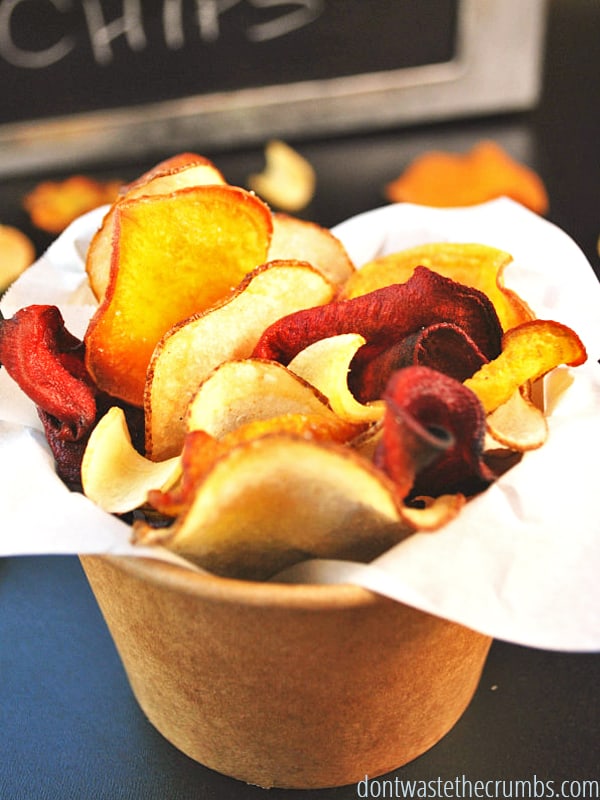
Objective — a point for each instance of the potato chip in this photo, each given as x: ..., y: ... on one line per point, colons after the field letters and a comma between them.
x: 193, y: 348
x: 242, y: 391
x: 280, y: 499
x: 306, y: 241
x: 113, y: 474
x: 201, y: 450
x: 288, y: 180
x: 469, y: 263
x: 529, y: 351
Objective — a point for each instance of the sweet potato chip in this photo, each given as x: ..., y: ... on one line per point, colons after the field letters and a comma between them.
x: 471, y: 264
x: 179, y: 172
x: 274, y: 501
x: 485, y: 172
x: 193, y: 348
x: 306, y: 241
x: 113, y: 474
x: 529, y: 351
x: 52, y: 205
x: 174, y: 255
x: 288, y: 180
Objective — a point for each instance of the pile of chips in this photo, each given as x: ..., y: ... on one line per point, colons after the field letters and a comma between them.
x: 251, y: 399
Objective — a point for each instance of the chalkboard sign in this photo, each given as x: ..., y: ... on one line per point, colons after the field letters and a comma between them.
x: 90, y: 79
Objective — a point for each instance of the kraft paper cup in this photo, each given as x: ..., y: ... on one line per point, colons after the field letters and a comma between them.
x: 291, y: 686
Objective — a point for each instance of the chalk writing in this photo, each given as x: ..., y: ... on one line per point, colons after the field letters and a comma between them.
x: 281, y: 17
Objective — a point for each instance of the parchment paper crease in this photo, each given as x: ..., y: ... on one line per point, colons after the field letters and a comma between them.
x: 521, y: 562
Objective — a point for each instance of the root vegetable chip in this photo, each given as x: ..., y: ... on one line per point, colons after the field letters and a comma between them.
x: 433, y: 435
x: 46, y: 361
x: 194, y: 347
x: 386, y: 316
x: 485, y: 172
x: 442, y: 346
x: 174, y: 255
x: 471, y: 264
x: 274, y: 501
x: 16, y: 254
x: 179, y: 172
x: 242, y: 391
x: 528, y: 352
x: 325, y: 364
x: 201, y: 451
x: 113, y: 474
x: 518, y: 424
x: 288, y: 180
x: 53, y: 205
x: 306, y: 241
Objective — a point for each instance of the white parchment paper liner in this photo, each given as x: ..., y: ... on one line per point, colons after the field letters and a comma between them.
x: 522, y: 560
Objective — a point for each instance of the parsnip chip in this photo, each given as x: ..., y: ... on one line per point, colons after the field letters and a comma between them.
x: 52, y: 205
x: 307, y: 241
x: 193, y: 348
x: 113, y: 474
x: 16, y: 254
x: 279, y: 499
x: 242, y: 391
x: 175, y: 173
x: 469, y: 263
x: 325, y: 364
x: 288, y: 180
x: 518, y: 424
x: 529, y: 351
x: 174, y: 255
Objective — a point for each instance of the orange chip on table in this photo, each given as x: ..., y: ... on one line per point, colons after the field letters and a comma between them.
x: 485, y: 172
x: 53, y: 205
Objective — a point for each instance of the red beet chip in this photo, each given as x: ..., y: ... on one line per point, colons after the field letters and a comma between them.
x: 442, y: 346
x: 436, y: 424
x: 385, y: 316
x: 46, y: 361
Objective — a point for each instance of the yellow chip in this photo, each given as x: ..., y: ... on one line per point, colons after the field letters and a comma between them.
x: 529, y: 351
